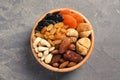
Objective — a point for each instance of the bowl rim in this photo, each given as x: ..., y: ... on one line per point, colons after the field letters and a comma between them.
x: 64, y: 69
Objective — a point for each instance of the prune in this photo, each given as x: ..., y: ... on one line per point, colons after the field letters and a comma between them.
x: 72, y: 56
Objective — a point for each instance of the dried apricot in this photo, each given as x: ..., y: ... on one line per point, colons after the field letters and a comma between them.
x: 65, y: 11
x: 78, y: 18
x: 69, y: 20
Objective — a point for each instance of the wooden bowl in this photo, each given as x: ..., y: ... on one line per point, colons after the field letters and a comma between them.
x: 64, y: 69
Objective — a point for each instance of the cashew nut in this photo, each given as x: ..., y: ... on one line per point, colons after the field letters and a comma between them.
x: 36, y: 49
x: 40, y: 48
x: 72, y: 33
x: 40, y: 54
x: 48, y: 58
x: 37, y: 40
x: 51, y: 49
x: 43, y: 42
x: 46, y: 52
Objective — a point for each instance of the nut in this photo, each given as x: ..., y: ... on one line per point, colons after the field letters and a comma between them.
x: 55, y: 51
x: 40, y: 48
x: 36, y: 41
x: 62, y: 60
x: 64, y: 64
x: 51, y: 49
x: 44, y: 42
x: 40, y: 54
x: 46, y: 52
x: 55, y: 64
x: 48, y: 58
x: 71, y: 64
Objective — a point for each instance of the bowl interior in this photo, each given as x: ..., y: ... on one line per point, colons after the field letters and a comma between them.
x: 64, y: 69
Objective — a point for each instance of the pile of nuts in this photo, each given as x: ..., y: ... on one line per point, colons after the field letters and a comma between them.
x: 59, y: 44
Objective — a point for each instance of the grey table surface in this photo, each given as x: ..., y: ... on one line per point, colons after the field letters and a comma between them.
x: 17, y: 18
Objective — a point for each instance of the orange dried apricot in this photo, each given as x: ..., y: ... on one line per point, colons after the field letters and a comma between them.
x: 78, y: 18
x: 65, y: 11
x: 69, y: 20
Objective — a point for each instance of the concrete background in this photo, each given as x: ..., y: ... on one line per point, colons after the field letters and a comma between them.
x: 17, y: 18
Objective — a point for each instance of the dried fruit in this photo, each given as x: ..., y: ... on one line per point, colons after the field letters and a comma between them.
x: 84, y: 27
x: 84, y: 42
x: 64, y: 45
x: 72, y: 47
x: 82, y: 45
x: 72, y: 56
x: 62, y: 60
x: 55, y: 58
x: 69, y: 20
x: 59, y: 25
x: 78, y: 18
x: 66, y: 11
x: 72, y: 33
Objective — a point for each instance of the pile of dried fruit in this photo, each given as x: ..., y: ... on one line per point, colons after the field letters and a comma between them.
x: 62, y: 39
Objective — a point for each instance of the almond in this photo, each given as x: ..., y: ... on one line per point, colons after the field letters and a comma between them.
x: 71, y: 64
x: 55, y: 51
x: 63, y: 65
x: 55, y: 64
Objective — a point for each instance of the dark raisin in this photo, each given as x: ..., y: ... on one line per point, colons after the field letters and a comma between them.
x: 51, y: 21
